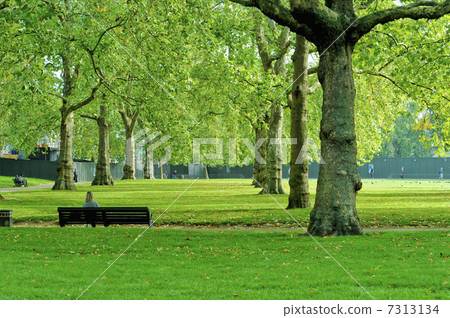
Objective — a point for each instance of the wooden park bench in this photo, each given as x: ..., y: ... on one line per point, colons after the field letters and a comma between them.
x: 105, y: 216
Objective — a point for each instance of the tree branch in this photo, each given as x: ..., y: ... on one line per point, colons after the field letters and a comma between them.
x: 89, y: 117
x: 390, y: 79
x: 313, y: 70
x: 87, y: 100
x: 280, y: 14
x: 417, y: 10
x: 312, y: 89
x: 316, y: 15
x: 284, y: 44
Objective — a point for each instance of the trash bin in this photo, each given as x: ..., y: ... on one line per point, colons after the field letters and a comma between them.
x: 6, y: 218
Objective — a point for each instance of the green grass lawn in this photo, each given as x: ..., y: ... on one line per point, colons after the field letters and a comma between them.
x: 381, y: 203
x: 60, y: 263
x: 6, y: 182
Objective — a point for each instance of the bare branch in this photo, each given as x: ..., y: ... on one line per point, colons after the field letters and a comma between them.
x: 312, y: 89
x: 89, y: 117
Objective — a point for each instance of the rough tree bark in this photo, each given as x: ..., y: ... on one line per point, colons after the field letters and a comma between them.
x: 103, y: 170
x: 298, y: 179
x: 64, y: 168
x: 334, y: 212
x: 129, y: 119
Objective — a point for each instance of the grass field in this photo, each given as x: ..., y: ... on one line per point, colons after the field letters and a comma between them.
x: 60, y: 263
x: 381, y: 203
x: 6, y: 182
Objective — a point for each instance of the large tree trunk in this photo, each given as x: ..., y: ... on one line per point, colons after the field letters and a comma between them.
x: 334, y: 211
x: 64, y: 168
x: 103, y: 170
x: 298, y: 179
x: 148, y: 168
x: 260, y: 164
x: 129, y: 120
x: 275, y: 153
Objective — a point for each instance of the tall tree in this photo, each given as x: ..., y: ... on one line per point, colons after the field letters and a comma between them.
x: 335, y: 29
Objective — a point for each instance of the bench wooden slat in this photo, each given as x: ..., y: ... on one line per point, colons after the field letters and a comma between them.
x: 104, y: 215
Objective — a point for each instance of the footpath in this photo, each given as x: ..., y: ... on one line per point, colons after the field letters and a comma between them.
x: 41, y: 186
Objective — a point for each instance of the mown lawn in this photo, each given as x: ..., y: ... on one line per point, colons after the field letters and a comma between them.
x: 381, y: 203
x: 60, y: 263
x: 6, y: 182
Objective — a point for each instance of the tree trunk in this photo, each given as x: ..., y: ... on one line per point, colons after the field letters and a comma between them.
x: 334, y: 211
x: 274, y: 153
x: 298, y: 179
x: 103, y: 170
x: 205, y: 171
x: 260, y: 164
x: 129, y: 168
x: 64, y: 168
x: 161, y: 172
x: 129, y: 120
x: 148, y: 168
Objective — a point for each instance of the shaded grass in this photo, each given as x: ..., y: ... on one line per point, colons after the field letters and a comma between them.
x: 6, y: 182
x: 381, y: 203
x: 55, y: 263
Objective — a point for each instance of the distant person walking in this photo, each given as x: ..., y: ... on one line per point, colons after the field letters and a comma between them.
x: 402, y: 172
x: 441, y: 173
x: 75, y: 175
x: 174, y: 175
x: 371, y: 170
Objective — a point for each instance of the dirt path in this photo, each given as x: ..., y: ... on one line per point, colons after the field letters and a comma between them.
x: 14, y: 189
x: 220, y: 228
x: 41, y: 186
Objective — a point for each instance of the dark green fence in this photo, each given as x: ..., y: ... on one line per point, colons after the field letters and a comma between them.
x: 384, y: 168
x: 390, y: 168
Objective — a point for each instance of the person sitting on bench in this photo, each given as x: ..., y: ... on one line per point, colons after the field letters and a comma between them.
x: 23, y: 181
x: 18, y: 181
x: 90, y: 203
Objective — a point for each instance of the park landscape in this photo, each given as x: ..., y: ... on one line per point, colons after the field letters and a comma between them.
x: 107, y: 79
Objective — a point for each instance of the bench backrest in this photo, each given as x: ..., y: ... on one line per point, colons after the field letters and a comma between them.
x: 104, y: 215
